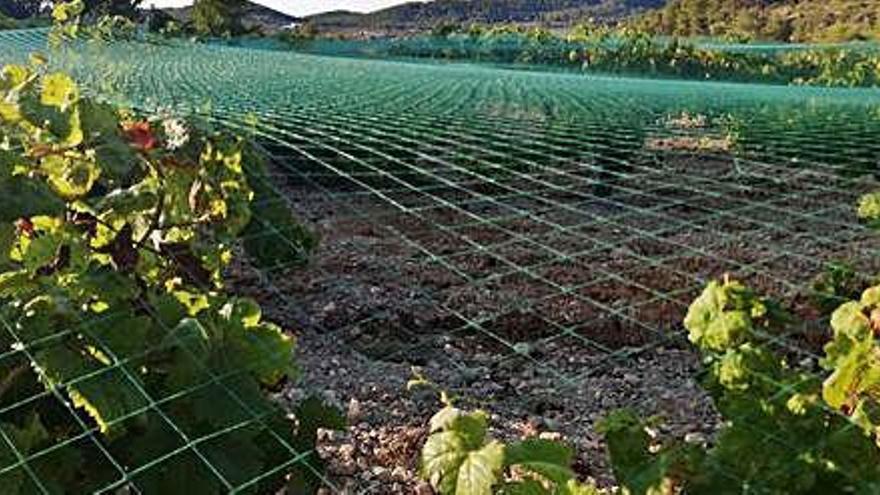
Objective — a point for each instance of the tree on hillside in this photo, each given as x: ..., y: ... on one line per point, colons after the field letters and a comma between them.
x: 21, y: 9
x: 218, y: 17
x: 125, y: 8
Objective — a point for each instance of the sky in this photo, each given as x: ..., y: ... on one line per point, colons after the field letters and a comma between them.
x: 299, y: 7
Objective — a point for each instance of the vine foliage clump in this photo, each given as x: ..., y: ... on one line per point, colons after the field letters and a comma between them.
x: 461, y: 458
x: 123, y: 359
x: 785, y: 430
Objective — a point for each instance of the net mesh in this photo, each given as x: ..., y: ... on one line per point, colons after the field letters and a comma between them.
x: 555, y: 222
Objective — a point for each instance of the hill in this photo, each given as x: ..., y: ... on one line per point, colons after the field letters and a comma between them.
x: 254, y: 16
x: 779, y: 20
x: 425, y: 15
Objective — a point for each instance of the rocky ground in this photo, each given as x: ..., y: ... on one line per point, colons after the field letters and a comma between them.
x: 547, y: 344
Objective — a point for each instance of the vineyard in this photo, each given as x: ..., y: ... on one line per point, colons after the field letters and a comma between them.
x: 529, y: 241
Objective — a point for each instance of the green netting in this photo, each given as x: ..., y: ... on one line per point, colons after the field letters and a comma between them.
x: 538, y: 211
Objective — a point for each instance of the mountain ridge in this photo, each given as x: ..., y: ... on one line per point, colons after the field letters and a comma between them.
x: 425, y: 15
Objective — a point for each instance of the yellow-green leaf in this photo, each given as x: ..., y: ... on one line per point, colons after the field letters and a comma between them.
x: 60, y: 91
x: 70, y: 177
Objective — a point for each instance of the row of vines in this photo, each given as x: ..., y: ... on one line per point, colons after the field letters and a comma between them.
x: 622, y: 51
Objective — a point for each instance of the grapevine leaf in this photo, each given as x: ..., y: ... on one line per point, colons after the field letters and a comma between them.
x: 480, y: 470
x: 703, y: 311
x: 444, y: 418
x: 263, y: 348
x: 727, y: 329
x: 103, y: 392
x: 66, y: 11
x: 442, y: 456
x: 550, y: 459
x: 167, y: 475
x: 849, y: 321
x: 10, y: 112
x: 22, y: 198
x: 100, y: 123
x: 70, y: 177
x: 59, y: 91
x: 97, y: 279
x: 236, y: 456
x: 124, y: 202
x: 75, y: 133
x: 7, y: 240
x: 637, y: 467
x: 311, y: 414
x: 14, y: 77
x: 457, y: 459
x: 123, y: 335
x: 273, y: 237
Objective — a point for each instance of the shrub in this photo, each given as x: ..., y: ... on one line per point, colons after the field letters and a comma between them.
x: 115, y: 232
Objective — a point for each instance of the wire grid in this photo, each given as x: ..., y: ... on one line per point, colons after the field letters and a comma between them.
x: 530, y: 209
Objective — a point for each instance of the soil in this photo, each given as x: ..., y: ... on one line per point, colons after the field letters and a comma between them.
x: 547, y: 308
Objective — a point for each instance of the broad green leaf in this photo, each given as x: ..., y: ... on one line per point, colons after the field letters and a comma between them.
x: 59, y: 91
x: 70, y: 177
x: 22, y: 198
x: 637, y: 467
x: 103, y: 392
x: 243, y: 311
x: 727, y: 330
x: 267, y: 352
x: 262, y: 348
x: 75, y: 135
x: 457, y: 459
x: 191, y: 334
x: 125, y: 335
x: 871, y: 297
x: 14, y: 76
x: 442, y: 457
x: 547, y: 458
x: 10, y: 112
x: 273, y: 237
x: 444, y: 418
x: 100, y: 122
x: 480, y: 470
x: 194, y: 302
x: 37, y: 252
x: 124, y: 202
x: 312, y: 415
x: 472, y: 428
x: 704, y: 310
x: 849, y: 320
x: 65, y: 11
